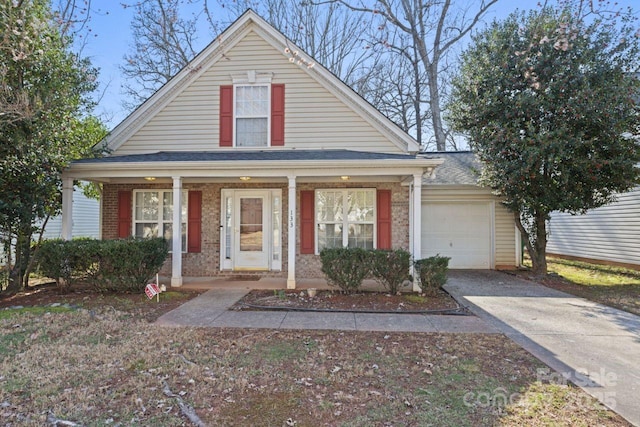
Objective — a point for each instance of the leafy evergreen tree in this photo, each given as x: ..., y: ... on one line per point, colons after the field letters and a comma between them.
x: 44, y: 123
x: 547, y: 100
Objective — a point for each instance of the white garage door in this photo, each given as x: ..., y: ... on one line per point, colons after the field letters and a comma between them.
x: 461, y: 231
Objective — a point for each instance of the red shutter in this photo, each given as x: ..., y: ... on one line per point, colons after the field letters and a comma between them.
x: 194, y: 226
x: 307, y: 237
x: 384, y: 219
x: 277, y: 115
x: 226, y: 116
x: 124, y: 213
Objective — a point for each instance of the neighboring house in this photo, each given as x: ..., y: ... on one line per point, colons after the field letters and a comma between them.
x: 609, y: 234
x: 86, y: 219
x: 271, y: 158
x: 86, y: 222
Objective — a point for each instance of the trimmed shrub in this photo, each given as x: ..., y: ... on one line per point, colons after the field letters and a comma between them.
x: 125, y: 265
x: 391, y: 268
x: 432, y: 273
x: 345, y: 268
x: 65, y: 261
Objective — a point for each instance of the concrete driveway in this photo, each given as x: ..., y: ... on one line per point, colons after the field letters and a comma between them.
x: 595, y: 346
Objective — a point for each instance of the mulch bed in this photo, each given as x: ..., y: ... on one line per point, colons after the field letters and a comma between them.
x: 366, y: 302
x: 137, y: 304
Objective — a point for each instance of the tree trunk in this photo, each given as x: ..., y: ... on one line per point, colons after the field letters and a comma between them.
x: 539, y: 258
x: 436, y: 113
x: 22, y: 253
x: 537, y: 247
x: 416, y: 102
x: 32, y: 256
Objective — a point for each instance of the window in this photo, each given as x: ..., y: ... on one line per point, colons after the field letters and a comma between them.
x: 153, y: 215
x: 252, y: 115
x: 345, y: 218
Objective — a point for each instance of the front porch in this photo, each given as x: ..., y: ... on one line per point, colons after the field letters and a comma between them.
x: 245, y: 213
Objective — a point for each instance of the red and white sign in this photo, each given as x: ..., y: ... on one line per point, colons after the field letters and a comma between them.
x: 151, y: 290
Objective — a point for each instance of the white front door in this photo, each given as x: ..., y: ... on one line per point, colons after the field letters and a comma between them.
x: 250, y: 230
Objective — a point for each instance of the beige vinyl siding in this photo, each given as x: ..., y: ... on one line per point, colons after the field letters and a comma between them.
x: 504, y: 231
x: 314, y: 117
x: 505, y: 237
x: 608, y: 233
x: 85, y: 219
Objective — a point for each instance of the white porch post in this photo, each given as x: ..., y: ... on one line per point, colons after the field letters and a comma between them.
x: 291, y: 241
x: 176, y: 257
x: 67, y: 208
x: 417, y: 219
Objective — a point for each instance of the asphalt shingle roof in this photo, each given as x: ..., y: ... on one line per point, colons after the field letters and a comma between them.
x: 232, y: 156
x: 459, y: 168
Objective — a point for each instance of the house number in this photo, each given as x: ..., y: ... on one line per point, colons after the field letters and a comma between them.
x: 290, y: 219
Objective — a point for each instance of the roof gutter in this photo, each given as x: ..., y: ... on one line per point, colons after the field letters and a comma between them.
x: 256, y: 167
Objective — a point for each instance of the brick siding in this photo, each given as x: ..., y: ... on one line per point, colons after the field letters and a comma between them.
x: 207, y: 262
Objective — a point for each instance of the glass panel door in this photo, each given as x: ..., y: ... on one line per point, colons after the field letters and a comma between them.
x: 251, y: 226
x: 251, y: 230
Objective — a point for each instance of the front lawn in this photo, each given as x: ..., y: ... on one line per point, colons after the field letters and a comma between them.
x: 110, y: 366
x: 613, y: 286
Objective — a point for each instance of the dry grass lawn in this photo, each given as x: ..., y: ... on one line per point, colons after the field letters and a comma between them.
x: 609, y: 285
x: 108, y: 366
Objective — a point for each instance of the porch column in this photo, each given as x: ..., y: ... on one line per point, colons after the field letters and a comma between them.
x: 291, y: 241
x: 417, y: 219
x: 176, y: 256
x: 67, y: 208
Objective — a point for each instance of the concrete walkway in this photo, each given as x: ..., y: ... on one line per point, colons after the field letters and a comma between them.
x: 211, y: 310
x: 595, y: 346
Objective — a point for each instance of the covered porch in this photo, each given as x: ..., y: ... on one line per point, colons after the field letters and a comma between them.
x: 227, y: 185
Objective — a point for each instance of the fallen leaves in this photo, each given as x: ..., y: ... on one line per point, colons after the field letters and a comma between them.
x: 239, y: 377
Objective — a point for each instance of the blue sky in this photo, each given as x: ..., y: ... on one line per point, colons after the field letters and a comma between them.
x: 111, y: 39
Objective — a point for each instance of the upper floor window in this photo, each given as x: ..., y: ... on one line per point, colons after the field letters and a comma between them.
x: 252, y: 111
x: 252, y: 108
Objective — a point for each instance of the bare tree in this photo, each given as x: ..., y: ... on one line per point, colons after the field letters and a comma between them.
x: 163, y: 45
x: 391, y: 88
x: 433, y: 28
x: 332, y: 35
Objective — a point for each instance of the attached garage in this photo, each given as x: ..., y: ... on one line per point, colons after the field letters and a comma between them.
x: 462, y: 231
x: 463, y: 220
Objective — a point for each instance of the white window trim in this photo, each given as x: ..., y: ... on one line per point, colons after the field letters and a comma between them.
x: 252, y: 78
x: 345, y: 221
x: 185, y: 196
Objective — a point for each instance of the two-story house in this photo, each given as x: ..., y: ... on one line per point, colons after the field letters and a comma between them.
x: 254, y: 158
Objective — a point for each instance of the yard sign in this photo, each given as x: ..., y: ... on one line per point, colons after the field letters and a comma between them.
x: 151, y: 290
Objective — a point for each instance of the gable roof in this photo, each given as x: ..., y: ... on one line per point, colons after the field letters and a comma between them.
x: 457, y: 168
x: 215, y: 52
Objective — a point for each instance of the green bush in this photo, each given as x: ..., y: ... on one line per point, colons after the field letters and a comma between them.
x: 65, y: 261
x: 127, y: 265
x: 432, y: 273
x: 108, y: 265
x: 345, y: 268
x: 391, y: 268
